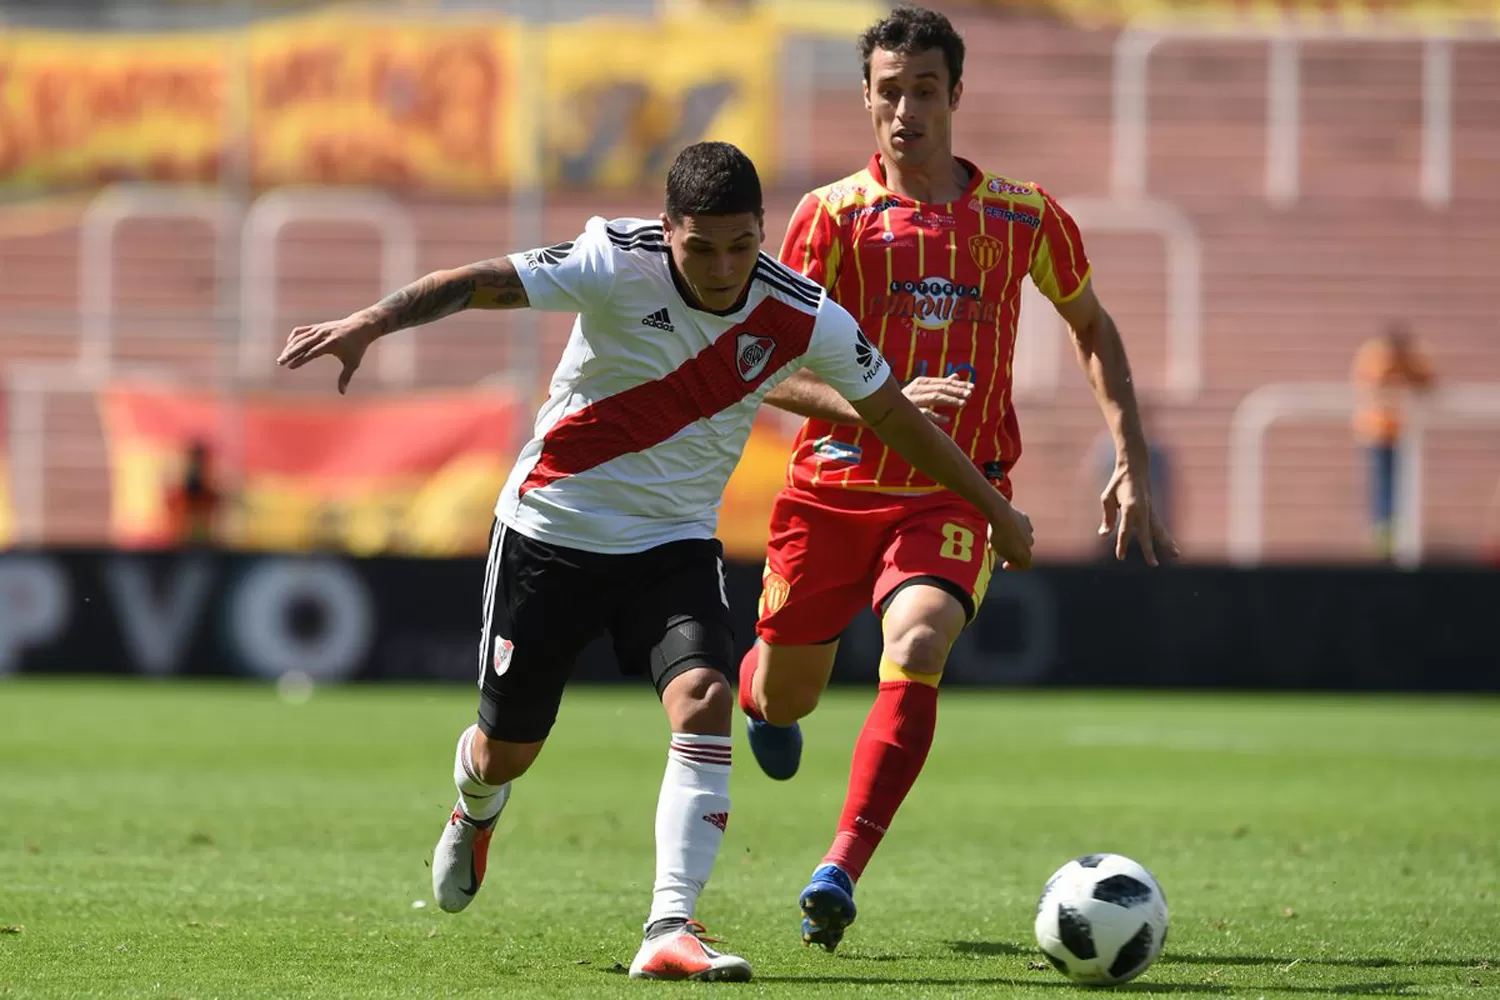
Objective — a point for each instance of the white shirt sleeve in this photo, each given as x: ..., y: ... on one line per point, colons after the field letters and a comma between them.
x: 841, y: 355
x: 576, y: 276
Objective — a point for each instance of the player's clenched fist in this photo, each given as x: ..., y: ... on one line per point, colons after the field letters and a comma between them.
x: 1011, y: 537
x: 345, y: 339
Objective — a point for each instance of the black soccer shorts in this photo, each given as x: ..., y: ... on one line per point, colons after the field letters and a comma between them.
x: 665, y: 610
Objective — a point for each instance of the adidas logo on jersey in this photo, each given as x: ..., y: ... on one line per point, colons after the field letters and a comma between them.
x: 720, y: 820
x: 660, y: 320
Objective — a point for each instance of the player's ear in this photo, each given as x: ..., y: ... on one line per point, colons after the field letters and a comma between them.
x: 956, y: 96
x: 666, y: 226
x: 760, y: 224
x: 865, y: 89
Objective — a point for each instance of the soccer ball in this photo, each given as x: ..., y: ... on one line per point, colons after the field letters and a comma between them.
x: 1102, y: 919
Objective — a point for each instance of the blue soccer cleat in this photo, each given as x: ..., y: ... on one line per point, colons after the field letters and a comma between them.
x: 777, y: 749
x: 827, y: 907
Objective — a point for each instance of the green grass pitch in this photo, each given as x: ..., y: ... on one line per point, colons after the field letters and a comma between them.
x: 211, y: 841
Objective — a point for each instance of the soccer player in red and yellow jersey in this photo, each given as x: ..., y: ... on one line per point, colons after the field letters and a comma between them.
x: 929, y: 252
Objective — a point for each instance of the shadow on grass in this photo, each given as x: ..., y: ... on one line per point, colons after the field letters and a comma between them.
x: 1173, y: 957
x: 1144, y: 986
x: 1374, y: 962
x: 1009, y: 949
x: 1055, y: 983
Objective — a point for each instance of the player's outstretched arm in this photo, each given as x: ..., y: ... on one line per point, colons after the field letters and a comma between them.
x: 809, y: 396
x: 1127, y: 497
x: 901, y: 425
x: 487, y: 284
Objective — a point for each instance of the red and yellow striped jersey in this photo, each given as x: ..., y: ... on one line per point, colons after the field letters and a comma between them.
x: 937, y: 287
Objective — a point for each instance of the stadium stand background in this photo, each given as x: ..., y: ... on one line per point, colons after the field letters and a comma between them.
x: 1305, y: 251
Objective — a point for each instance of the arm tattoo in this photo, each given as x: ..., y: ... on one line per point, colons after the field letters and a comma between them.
x: 497, y: 285
x: 490, y: 284
x: 424, y: 300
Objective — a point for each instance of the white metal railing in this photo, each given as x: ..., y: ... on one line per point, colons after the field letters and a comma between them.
x: 252, y: 233
x: 396, y: 358
x: 1305, y: 402
x: 27, y: 386
x: 1131, y: 114
x: 96, y: 255
x: 1038, y: 347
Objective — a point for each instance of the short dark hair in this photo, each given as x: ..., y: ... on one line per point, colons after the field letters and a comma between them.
x: 911, y: 29
x: 712, y: 178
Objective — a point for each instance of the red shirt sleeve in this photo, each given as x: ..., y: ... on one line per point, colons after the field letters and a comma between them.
x: 1059, y: 265
x: 812, y: 244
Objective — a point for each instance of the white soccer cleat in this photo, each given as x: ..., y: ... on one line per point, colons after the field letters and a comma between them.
x: 459, y: 861
x: 682, y: 954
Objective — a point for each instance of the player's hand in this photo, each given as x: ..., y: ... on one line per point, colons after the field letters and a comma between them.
x: 1011, y: 537
x: 1127, y: 507
x: 345, y: 339
x: 933, y: 394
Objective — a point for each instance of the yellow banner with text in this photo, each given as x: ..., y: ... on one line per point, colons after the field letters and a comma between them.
x: 444, y: 106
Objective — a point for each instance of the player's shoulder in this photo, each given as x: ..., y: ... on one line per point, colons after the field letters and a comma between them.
x: 854, y: 191
x: 1001, y: 187
x: 788, y: 285
x: 1010, y: 199
x: 629, y: 236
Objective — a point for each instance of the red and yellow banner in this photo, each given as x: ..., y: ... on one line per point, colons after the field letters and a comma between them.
x: 329, y: 100
x: 437, y: 105
x: 1414, y: 14
x: 396, y: 104
x: 416, y: 475
x: 90, y: 108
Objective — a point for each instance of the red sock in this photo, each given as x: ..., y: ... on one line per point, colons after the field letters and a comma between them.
x: 747, y: 675
x: 888, y: 756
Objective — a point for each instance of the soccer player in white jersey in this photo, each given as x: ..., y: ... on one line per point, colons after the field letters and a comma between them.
x: 607, y: 521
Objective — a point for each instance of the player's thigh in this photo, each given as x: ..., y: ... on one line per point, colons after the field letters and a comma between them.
x: 542, y: 607
x: 672, y: 623
x: 820, y: 566
x: 936, y: 570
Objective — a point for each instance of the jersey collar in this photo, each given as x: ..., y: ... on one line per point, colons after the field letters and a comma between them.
x: 876, y: 170
x: 691, y: 301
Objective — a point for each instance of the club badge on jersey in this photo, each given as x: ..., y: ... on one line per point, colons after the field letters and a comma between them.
x: 753, y: 354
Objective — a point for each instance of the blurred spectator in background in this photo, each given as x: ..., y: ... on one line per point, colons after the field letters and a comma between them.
x: 194, y: 501
x: 1099, y: 466
x: 1387, y: 370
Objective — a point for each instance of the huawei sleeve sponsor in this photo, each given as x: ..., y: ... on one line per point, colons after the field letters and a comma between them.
x: 841, y: 355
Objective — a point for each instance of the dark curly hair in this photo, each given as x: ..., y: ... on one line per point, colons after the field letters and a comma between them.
x: 911, y: 29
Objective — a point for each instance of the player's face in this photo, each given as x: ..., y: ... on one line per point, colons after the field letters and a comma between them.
x: 910, y: 106
x: 715, y: 254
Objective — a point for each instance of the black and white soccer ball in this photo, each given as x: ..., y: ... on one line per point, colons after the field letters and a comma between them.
x: 1102, y: 919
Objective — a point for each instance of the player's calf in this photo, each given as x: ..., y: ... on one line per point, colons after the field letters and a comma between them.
x: 778, y: 686
x: 461, y: 856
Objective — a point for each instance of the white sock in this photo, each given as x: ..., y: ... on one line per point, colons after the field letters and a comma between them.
x: 690, y: 818
x: 480, y: 802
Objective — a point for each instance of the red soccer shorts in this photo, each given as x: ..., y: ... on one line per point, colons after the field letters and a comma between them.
x: 824, y: 562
